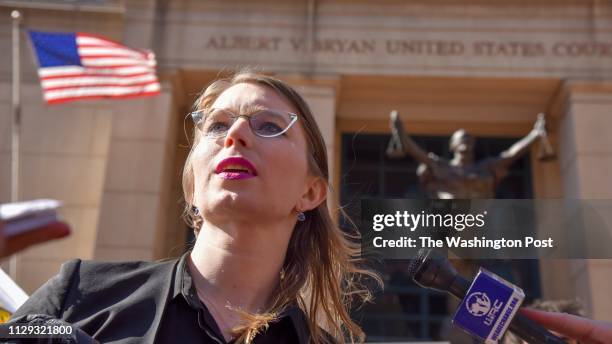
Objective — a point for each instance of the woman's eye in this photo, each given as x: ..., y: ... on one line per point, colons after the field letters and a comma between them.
x: 216, y: 127
x: 270, y: 128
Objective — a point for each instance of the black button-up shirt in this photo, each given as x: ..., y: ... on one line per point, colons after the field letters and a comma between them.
x: 187, y: 320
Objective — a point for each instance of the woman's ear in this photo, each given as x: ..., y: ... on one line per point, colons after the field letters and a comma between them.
x: 314, y: 195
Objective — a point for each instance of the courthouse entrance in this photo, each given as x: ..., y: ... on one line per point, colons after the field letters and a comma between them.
x: 496, y: 111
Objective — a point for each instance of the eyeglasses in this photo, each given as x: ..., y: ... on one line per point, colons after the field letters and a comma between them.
x: 264, y: 123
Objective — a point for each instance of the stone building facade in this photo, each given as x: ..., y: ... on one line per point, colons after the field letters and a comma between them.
x: 486, y: 66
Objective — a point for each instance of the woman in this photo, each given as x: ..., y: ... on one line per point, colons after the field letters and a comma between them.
x: 258, y: 185
x: 268, y: 263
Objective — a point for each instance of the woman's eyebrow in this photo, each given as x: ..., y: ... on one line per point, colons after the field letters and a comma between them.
x: 251, y: 108
x: 247, y: 109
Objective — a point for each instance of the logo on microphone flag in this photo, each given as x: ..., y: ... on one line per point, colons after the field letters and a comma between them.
x: 478, y: 304
x: 76, y: 65
x: 490, y: 305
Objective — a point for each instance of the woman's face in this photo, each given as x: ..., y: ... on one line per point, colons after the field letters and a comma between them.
x: 278, y: 176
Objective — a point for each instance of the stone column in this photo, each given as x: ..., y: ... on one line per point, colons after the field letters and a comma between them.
x: 135, y: 198
x: 321, y: 97
x: 133, y: 222
x: 586, y: 161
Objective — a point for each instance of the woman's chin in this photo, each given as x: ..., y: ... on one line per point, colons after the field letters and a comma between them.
x: 235, y: 200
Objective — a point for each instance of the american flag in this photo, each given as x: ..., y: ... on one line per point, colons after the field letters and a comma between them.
x: 78, y: 65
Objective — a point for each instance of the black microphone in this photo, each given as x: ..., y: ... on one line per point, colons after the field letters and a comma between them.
x: 431, y: 270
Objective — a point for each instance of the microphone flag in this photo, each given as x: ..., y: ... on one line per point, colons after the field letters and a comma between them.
x: 490, y: 304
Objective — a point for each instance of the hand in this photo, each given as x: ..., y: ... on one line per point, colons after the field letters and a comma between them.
x: 13, y: 244
x: 584, y: 330
x: 539, y: 128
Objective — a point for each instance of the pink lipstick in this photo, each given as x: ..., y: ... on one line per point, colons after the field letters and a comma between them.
x: 235, y: 168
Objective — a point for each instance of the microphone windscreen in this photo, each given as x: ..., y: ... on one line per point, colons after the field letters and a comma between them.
x: 417, y: 262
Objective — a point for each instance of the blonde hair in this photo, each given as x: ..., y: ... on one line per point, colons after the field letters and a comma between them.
x: 323, y: 272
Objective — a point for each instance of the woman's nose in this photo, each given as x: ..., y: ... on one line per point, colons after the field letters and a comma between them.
x: 239, y: 133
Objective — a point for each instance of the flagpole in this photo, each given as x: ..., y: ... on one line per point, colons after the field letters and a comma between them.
x: 16, y: 123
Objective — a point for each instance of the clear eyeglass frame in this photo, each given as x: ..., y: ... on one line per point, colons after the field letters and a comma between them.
x: 198, y: 117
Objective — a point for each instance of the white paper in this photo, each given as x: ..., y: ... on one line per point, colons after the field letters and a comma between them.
x: 11, y: 295
x: 25, y: 216
x: 13, y: 211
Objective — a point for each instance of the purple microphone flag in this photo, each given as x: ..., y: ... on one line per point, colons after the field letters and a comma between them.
x: 489, y: 306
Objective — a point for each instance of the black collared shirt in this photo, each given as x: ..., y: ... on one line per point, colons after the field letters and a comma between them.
x: 187, y: 320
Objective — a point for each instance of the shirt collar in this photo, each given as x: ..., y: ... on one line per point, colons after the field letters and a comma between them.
x: 183, y: 283
x: 183, y: 286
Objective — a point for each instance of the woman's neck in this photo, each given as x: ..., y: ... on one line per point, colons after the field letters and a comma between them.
x: 240, y: 264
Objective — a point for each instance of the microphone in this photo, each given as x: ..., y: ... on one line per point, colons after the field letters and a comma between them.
x: 434, y: 271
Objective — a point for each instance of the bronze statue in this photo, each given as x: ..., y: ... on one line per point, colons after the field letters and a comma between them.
x: 462, y: 177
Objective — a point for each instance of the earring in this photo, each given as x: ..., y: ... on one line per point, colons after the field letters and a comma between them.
x: 301, y: 216
x: 196, y: 211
